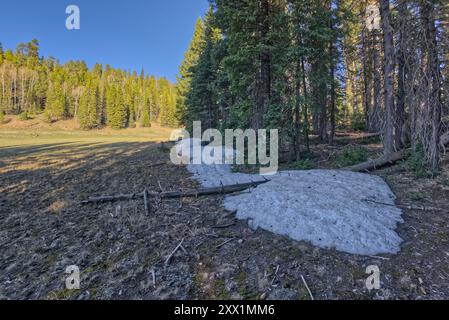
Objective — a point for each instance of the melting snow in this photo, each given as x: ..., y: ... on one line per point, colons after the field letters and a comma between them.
x: 329, y: 208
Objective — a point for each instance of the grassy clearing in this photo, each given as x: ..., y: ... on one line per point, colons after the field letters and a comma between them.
x: 16, y: 135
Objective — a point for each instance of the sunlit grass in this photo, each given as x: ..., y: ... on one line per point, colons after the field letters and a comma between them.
x: 47, y: 138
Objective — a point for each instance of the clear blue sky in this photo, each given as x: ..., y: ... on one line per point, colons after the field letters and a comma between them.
x: 127, y: 34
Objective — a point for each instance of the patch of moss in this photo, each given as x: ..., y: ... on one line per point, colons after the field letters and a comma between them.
x: 416, y: 196
x: 351, y: 156
x: 93, y: 293
x: 51, y: 259
x: 358, y: 274
x: 220, y: 289
x: 151, y: 259
x: 303, y: 294
x: 241, y: 280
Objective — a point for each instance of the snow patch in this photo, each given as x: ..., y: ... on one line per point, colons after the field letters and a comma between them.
x: 329, y: 208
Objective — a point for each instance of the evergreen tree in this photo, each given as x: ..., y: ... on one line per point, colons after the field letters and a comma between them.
x: 1, y: 53
x: 202, y: 101
x: 56, y: 103
x: 117, y: 112
x: 36, y: 85
x: 88, y: 105
x: 184, y: 77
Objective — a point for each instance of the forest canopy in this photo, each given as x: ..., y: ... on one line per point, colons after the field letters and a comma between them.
x: 313, y: 66
x: 30, y: 85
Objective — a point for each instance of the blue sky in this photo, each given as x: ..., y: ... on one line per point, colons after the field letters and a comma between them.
x: 130, y: 34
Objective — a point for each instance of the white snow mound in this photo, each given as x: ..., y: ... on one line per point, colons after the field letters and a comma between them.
x: 216, y: 175
x: 329, y: 208
x: 351, y: 212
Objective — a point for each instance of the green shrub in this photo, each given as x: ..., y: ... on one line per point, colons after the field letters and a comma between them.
x: 2, y: 117
x: 24, y: 116
x: 416, y: 196
x: 358, y: 123
x: 47, y: 117
x: 351, y: 156
x: 416, y: 163
x: 305, y: 164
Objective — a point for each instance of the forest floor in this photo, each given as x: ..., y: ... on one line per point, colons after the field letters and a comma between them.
x: 120, y: 250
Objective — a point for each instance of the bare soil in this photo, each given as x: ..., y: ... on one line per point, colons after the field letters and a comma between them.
x: 120, y: 249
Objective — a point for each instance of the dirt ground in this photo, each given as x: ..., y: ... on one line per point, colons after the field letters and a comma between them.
x: 122, y: 252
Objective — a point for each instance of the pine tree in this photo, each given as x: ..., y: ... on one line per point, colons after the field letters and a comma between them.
x: 1, y: 53
x: 117, y: 112
x: 88, y: 105
x: 184, y: 77
x: 56, y: 104
x: 29, y: 83
x: 145, y: 119
x: 202, y: 102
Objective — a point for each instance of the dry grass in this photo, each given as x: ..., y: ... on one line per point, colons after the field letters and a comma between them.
x: 35, y: 132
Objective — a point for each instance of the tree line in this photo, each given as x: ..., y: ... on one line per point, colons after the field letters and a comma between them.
x: 312, y: 66
x: 30, y: 85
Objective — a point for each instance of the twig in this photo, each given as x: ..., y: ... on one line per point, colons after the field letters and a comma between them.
x: 181, y: 204
x: 211, y: 235
x: 153, y: 274
x: 160, y: 186
x: 167, y: 261
x: 145, y: 200
x: 190, y: 230
x: 224, y: 243
x: 378, y: 257
x: 157, y: 164
x: 225, y: 226
x: 275, y: 275
x: 307, y: 287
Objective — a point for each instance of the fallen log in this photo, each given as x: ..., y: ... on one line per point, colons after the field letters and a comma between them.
x: 159, y: 164
x: 378, y: 163
x: 177, y: 194
x: 359, y: 137
x: 390, y: 159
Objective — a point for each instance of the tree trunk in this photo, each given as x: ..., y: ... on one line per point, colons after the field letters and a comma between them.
x: 367, y: 81
x: 375, y: 125
x: 263, y: 85
x: 389, y: 54
x: 433, y: 78
x: 305, y: 108
x: 297, y: 115
x: 333, y: 106
x: 400, y: 140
